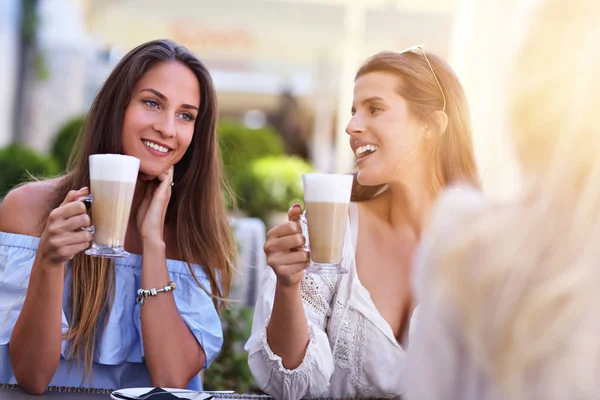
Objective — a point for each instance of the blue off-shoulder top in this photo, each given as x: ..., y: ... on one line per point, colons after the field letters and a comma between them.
x: 119, y: 353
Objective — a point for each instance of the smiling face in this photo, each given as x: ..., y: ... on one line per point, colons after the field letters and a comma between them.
x: 159, y: 120
x: 385, y: 136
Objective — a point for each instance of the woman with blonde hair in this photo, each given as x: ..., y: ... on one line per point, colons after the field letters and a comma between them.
x: 341, y: 335
x: 507, y: 290
x: 61, y: 308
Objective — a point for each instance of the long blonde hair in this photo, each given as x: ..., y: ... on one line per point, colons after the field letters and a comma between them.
x: 196, y: 209
x: 525, y: 274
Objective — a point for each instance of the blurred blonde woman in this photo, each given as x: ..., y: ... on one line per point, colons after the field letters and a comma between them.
x: 507, y: 291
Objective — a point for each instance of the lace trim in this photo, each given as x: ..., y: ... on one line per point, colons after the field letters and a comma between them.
x: 317, y: 293
x: 347, y: 336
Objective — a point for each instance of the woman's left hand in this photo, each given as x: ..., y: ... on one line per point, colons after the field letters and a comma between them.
x: 153, y: 209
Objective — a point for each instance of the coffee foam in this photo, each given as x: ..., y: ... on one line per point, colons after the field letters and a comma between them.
x: 327, y: 188
x: 114, y: 167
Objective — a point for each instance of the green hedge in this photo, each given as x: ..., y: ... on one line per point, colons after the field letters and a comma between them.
x: 272, y: 184
x: 240, y: 146
x: 230, y: 369
x: 65, y: 140
x: 20, y: 164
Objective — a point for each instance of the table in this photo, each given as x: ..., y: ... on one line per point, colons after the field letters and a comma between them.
x: 13, y: 392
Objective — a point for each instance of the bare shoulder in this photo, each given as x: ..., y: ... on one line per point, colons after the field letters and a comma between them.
x: 24, y: 208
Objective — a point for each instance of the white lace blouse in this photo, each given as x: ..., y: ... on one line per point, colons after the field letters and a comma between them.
x: 352, y: 350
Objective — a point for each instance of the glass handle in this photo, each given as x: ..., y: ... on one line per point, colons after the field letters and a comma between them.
x: 87, y: 199
x: 304, y: 225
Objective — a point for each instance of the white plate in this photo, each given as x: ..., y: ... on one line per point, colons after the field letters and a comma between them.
x: 181, y: 393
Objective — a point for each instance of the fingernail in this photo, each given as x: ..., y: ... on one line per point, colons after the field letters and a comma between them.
x: 297, y: 205
x: 84, y: 188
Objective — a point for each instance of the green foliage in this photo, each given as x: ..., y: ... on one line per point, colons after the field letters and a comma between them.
x: 20, y: 164
x: 42, y: 71
x: 29, y: 20
x: 230, y: 370
x: 65, y: 140
x: 272, y: 183
x: 240, y: 146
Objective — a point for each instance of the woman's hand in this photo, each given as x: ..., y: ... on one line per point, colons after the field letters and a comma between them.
x: 284, y: 251
x: 63, y: 237
x: 153, y: 209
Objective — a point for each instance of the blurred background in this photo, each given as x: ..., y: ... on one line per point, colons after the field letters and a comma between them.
x: 283, y: 70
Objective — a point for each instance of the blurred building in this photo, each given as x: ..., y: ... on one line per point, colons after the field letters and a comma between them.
x: 264, y: 55
x: 9, y: 31
x: 261, y: 51
x: 63, y: 77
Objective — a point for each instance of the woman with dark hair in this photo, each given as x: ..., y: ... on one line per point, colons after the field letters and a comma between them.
x: 60, y: 306
x: 341, y: 336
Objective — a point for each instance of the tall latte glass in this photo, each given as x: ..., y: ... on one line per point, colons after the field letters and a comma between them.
x: 326, y: 199
x: 112, y: 184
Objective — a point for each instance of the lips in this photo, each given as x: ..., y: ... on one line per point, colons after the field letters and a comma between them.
x: 363, y: 150
x: 157, y: 148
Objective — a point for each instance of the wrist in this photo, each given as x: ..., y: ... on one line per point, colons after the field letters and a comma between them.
x: 49, y: 267
x: 153, y: 243
x: 288, y: 286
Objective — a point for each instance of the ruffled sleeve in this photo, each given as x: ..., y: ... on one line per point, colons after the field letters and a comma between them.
x: 198, y: 311
x: 119, y: 352
x: 311, y: 378
x: 197, y: 308
x: 17, y: 254
x: 122, y: 338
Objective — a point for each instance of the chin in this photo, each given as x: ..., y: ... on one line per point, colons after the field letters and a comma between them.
x: 370, y: 179
x: 151, y: 171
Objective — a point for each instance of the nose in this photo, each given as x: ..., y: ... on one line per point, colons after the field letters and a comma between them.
x: 355, y: 125
x: 166, y: 126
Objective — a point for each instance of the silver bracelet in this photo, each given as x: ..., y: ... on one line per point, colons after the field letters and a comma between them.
x: 143, y: 294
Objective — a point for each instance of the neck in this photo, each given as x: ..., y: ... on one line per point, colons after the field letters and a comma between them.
x: 409, y: 201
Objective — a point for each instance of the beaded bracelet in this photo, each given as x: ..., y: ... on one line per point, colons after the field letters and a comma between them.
x: 143, y: 294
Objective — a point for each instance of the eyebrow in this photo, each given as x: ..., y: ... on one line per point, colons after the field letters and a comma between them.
x: 370, y: 100
x: 164, y: 98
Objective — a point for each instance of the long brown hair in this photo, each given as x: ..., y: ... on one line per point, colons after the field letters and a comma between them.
x: 196, y: 208
x: 452, y: 157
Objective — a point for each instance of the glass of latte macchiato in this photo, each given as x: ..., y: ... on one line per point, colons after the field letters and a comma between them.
x: 112, y: 184
x: 326, y: 200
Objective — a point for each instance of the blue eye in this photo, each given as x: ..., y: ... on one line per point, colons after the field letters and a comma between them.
x: 151, y: 103
x: 187, y: 117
